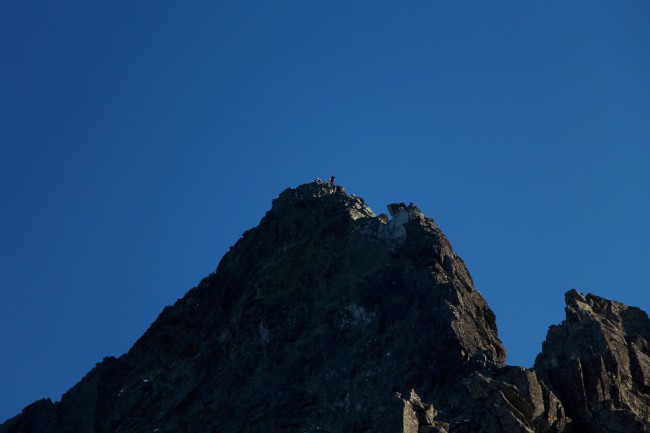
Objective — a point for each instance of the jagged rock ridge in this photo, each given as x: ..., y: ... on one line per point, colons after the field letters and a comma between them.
x: 598, y: 363
x: 327, y: 318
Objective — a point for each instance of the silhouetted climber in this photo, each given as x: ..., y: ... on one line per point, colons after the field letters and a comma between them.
x: 332, y: 181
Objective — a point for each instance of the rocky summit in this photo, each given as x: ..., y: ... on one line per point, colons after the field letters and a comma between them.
x: 328, y: 318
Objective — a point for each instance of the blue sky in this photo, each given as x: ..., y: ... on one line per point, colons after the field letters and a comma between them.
x: 138, y: 140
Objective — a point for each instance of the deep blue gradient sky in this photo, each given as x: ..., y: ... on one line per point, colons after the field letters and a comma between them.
x: 138, y: 140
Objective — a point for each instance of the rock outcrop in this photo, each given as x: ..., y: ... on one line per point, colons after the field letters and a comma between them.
x: 327, y: 318
x: 598, y: 363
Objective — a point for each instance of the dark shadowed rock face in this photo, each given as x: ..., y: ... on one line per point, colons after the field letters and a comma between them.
x: 598, y: 363
x: 326, y: 318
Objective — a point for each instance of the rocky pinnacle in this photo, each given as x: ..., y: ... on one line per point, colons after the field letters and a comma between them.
x: 598, y: 363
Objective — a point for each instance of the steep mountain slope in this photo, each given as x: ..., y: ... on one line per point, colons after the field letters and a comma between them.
x: 325, y: 318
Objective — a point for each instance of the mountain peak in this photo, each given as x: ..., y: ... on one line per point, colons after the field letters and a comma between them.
x: 322, y: 197
x: 327, y: 318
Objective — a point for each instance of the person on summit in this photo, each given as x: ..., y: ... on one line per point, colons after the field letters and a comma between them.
x: 332, y: 181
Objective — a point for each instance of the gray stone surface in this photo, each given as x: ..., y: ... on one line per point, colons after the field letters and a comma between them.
x: 597, y: 362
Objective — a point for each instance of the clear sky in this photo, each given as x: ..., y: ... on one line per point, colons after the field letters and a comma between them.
x: 138, y: 140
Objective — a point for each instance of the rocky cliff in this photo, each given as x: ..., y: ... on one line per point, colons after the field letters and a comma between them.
x: 327, y: 318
